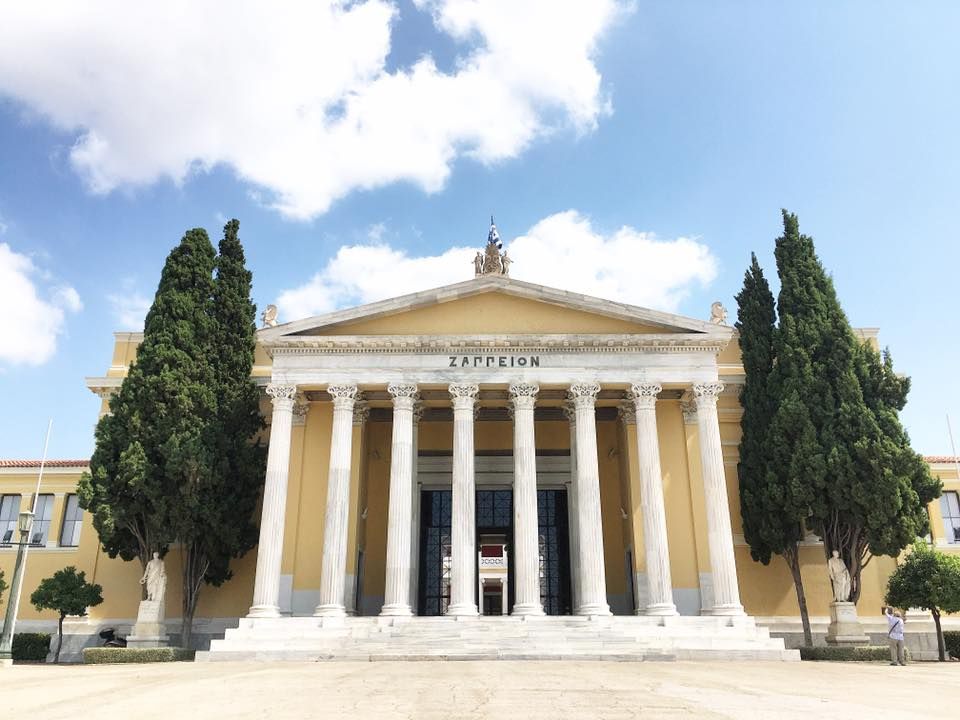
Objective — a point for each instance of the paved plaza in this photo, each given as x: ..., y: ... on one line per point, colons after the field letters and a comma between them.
x: 474, y: 690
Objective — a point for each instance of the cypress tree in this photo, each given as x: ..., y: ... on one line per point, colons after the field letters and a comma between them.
x: 832, y: 431
x: 774, y: 499
x: 153, y: 442
x: 215, y: 517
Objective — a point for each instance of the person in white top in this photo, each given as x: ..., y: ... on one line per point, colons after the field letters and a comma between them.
x: 895, y: 635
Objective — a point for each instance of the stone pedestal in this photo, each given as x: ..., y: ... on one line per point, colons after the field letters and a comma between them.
x: 844, y: 626
x: 150, y: 630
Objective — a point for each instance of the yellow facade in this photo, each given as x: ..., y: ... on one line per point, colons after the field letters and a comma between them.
x: 765, y: 591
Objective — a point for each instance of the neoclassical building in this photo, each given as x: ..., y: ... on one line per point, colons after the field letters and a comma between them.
x: 489, y: 448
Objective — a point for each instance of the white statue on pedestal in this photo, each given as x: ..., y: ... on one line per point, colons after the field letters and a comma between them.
x: 155, y: 578
x: 839, y: 577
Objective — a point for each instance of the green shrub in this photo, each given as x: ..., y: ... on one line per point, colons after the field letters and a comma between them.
x: 951, y: 640
x: 105, y: 655
x: 848, y: 654
x: 31, y: 647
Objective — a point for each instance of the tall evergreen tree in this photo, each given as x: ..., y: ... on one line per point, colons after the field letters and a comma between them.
x: 774, y: 499
x: 852, y: 453
x: 154, y: 441
x: 215, y: 515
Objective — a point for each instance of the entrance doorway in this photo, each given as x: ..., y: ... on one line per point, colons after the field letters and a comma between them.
x: 494, y: 523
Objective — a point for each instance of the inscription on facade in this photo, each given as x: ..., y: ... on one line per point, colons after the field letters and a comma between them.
x: 489, y: 361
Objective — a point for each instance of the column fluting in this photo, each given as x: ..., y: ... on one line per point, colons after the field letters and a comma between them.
x: 400, y: 517
x: 415, y: 510
x: 723, y: 565
x: 266, y: 585
x: 593, y: 579
x: 463, y: 504
x: 656, y: 551
x: 333, y: 571
x: 573, y: 514
x: 526, y: 529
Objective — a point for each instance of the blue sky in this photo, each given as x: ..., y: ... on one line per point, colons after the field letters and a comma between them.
x: 637, y: 151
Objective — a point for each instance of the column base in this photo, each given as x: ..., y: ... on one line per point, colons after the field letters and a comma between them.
x: 594, y: 609
x: 396, y: 610
x: 264, y: 611
x: 336, y: 611
x: 660, y: 610
x: 733, y: 609
x: 464, y: 610
x: 527, y: 609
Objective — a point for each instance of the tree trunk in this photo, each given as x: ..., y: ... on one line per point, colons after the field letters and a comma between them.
x: 192, y: 582
x: 56, y: 656
x: 792, y: 557
x: 941, y: 648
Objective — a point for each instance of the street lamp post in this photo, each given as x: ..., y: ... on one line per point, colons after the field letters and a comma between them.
x: 24, y: 525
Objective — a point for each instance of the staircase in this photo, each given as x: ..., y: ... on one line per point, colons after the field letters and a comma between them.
x: 627, y: 638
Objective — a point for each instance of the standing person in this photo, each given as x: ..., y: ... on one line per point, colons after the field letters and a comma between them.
x: 895, y: 635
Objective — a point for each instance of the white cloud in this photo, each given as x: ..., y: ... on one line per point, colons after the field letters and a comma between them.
x: 33, y: 323
x: 129, y: 306
x: 562, y: 250
x: 297, y: 97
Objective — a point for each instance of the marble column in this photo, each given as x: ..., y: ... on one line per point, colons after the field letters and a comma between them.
x: 361, y: 413
x: 400, y: 513
x: 593, y: 579
x: 726, y: 593
x: 463, y: 501
x: 266, y: 585
x: 573, y: 515
x: 526, y: 529
x: 656, y: 552
x: 333, y: 571
x: 415, y: 510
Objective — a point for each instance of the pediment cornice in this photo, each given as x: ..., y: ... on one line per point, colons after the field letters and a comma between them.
x: 682, y: 329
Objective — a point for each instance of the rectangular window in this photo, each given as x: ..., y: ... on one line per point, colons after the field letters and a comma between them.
x: 41, y: 520
x: 9, y: 511
x: 72, y: 520
x: 950, y: 509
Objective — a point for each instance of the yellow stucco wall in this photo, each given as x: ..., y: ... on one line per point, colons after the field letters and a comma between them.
x: 490, y: 313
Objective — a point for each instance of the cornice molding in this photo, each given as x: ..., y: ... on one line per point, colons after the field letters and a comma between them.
x: 494, y: 344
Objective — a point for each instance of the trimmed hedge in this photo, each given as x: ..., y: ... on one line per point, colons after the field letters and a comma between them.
x: 106, y: 655
x: 952, y: 642
x: 31, y: 647
x: 848, y: 654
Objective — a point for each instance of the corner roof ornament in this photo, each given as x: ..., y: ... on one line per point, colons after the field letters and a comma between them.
x: 491, y: 261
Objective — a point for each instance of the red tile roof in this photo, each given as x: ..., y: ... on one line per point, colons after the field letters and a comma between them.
x: 49, y: 463
x: 941, y: 458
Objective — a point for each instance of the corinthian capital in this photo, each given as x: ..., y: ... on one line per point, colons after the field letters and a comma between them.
x: 281, y: 394
x: 644, y: 395
x: 584, y: 394
x: 361, y: 412
x: 463, y: 395
x: 404, y: 395
x: 705, y: 394
x: 343, y: 396
x: 524, y: 394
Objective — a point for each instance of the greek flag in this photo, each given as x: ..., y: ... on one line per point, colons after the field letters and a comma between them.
x: 494, y: 237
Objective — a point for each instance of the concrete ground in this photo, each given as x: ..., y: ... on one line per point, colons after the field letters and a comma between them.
x: 468, y: 690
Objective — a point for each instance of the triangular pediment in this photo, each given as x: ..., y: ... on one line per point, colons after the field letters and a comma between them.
x: 492, y: 305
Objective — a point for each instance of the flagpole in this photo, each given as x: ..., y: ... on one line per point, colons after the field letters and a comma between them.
x: 43, y: 462
x: 953, y: 448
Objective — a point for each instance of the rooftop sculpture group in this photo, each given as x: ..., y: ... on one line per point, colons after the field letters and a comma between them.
x: 492, y: 261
